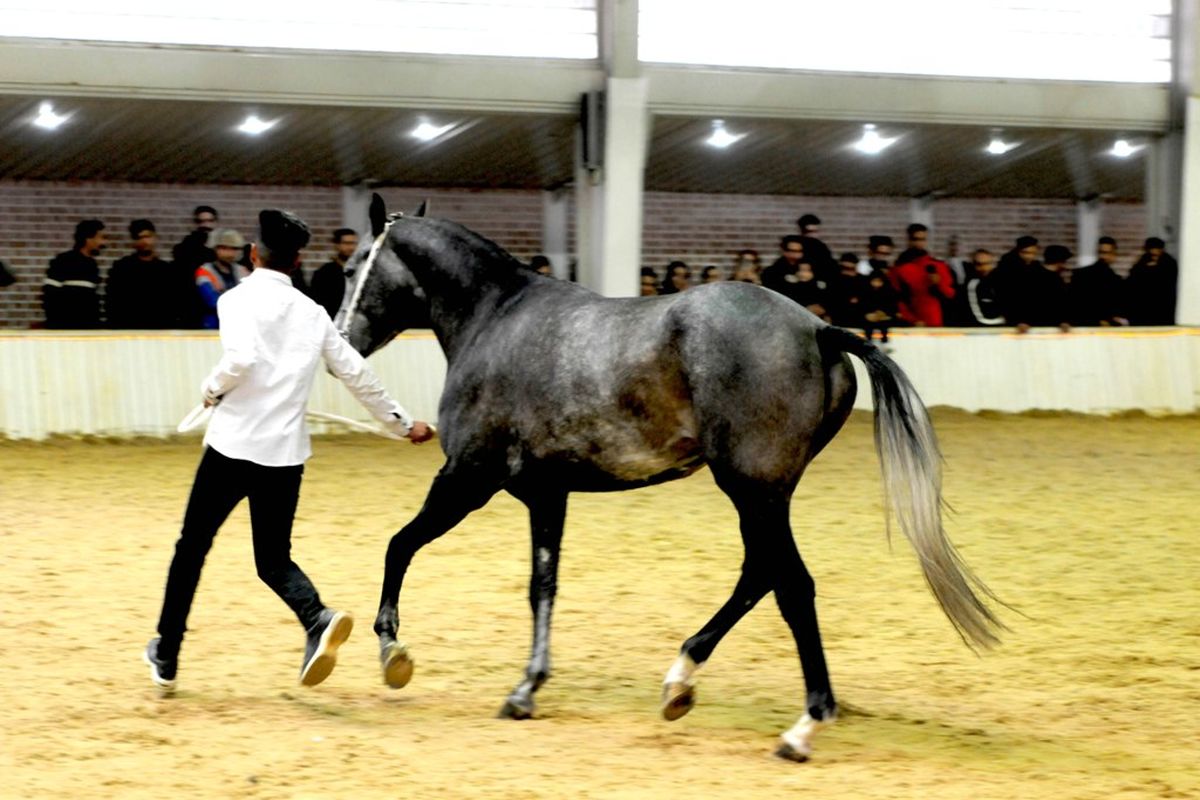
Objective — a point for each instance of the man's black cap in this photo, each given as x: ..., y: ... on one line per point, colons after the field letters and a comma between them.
x: 281, y: 231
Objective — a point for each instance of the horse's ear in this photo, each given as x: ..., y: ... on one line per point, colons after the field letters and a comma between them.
x: 378, y: 214
x: 422, y: 209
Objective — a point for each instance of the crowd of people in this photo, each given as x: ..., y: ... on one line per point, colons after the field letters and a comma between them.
x: 144, y: 291
x: 1023, y: 288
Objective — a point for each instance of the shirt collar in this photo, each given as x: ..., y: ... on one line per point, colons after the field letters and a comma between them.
x: 264, y: 274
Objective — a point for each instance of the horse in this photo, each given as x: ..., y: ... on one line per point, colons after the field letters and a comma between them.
x: 551, y: 389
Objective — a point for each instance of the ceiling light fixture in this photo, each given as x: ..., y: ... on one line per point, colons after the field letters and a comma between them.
x: 722, y: 138
x: 999, y: 147
x: 426, y: 131
x: 254, y: 126
x: 872, y: 143
x: 47, y: 119
x: 1123, y: 149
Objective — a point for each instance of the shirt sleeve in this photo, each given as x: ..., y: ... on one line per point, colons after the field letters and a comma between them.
x: 240, y: 351
x: 351, y: 369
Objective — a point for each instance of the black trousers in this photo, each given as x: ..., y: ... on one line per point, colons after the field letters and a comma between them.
x: 220, y: 485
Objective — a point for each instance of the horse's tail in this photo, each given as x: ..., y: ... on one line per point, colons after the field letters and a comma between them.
x: 912, y: 479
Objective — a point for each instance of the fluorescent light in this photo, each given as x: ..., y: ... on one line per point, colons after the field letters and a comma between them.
x: 999, y: 147
x: 47, y: 119
x: 254, y: 126
x: 722, y: 138
x: 872, y: 143
x: 1123, y: 149
x: 427, y: 131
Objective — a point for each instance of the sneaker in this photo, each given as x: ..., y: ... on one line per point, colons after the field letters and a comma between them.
x: 320, y: 654
x: 162, y: 670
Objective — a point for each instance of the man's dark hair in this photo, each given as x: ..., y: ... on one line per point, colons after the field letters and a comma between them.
x: 848, y: 257
x: 916, y: 227
x: 649, y: 272
x: 709, y: 270
x: 1056, y: 254
x: 791, y: 238
x: 539, y: 261
x: 808, y: 219
x: 340, y: 232
x: 876, y: 242
x: 86, y: 229
x: 198, y: 210
x: 139, y: 225
x: 1107, y: 240
x: 1026, y: 241
x: 1155, y: 243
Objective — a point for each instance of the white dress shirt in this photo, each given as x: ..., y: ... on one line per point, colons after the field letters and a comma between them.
x: 273, y: 337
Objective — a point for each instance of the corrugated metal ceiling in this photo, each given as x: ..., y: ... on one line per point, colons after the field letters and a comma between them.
x: 143, y: 140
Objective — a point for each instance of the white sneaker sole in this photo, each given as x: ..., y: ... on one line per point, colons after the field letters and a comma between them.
x: 321, y: 664
x: 165, y: 686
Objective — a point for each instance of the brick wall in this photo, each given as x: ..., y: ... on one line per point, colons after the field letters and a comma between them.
x: 37, y: 218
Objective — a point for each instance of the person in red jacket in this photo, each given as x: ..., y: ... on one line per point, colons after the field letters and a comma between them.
x: 923, y: 284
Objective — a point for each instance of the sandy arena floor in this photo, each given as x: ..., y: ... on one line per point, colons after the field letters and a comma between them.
x: 1086, y: 525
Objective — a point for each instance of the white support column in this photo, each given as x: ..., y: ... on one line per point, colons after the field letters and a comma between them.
x: 356, y: 204
x: 588, y: 227
x: 1187, y: 311
x: 555, y: 204
x: 1186, y: 103
x: 626, y: 124
x: 1089, y: 215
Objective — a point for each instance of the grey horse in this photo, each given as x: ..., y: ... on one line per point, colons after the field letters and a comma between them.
x: 551, y: 389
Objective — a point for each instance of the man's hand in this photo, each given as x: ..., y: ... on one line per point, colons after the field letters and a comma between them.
x: 420, y: 432
x: 1023, y: 327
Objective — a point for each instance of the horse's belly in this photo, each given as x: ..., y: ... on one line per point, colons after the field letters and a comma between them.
x: 628, y: 466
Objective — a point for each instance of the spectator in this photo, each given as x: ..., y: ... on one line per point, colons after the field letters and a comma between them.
x: 918, y: 237
x: 194, y: 251
x: 220, y: 275
x: 6, y: 277
x: 845, y: 293
x: 746, y: 267
x: 678, y: 278
x: 878, y: 304
x: 1042, y: 297
x: 330, y: 283
x: 1096, y: 289
x: 711, y: 274
x: 810, y: 292
x: 922, y: 284
x: 1151, y: 287
x: 979, y: 305
x: 1012, y: 273
x: 542, y: 266
x: 69, y: 295
x: 959, y: 267
x: 815, y: 251
x: 649, y: 282
x: 782, y: 273
x: 879, y: 256
x: 143, y: 291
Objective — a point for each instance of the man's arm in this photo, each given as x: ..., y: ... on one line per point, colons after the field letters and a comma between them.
x: 240, y: 352
x: 351, y: 369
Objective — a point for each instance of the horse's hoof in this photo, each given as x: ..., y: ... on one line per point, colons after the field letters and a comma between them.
x: 786, y: 751
x: 678, y: 699
x: 397, y: 664
x: 516, y: 709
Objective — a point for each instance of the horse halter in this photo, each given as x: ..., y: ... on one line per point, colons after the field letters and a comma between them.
x: 364, y: 272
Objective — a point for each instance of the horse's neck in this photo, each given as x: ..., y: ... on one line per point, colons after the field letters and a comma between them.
x: 463, y: 299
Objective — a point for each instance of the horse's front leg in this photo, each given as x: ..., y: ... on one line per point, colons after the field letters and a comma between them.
x: 453, y: 495
x: 547, y: 510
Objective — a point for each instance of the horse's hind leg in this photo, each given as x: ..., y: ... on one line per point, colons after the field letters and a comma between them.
x: 547, y: 510
x: 451, y: 498
x: 679, y: 684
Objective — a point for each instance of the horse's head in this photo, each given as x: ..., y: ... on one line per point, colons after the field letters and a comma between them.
x: 385, y: 298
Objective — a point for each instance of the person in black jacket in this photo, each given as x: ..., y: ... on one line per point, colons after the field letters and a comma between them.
x: 330, y: 280
x: 194, y: 250
x: 1041, y: 296
x: 1152, y: 285
x: 816, y: 252
x: 1096, y: 289
x: 69, y: 296
x: 143, y: 291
